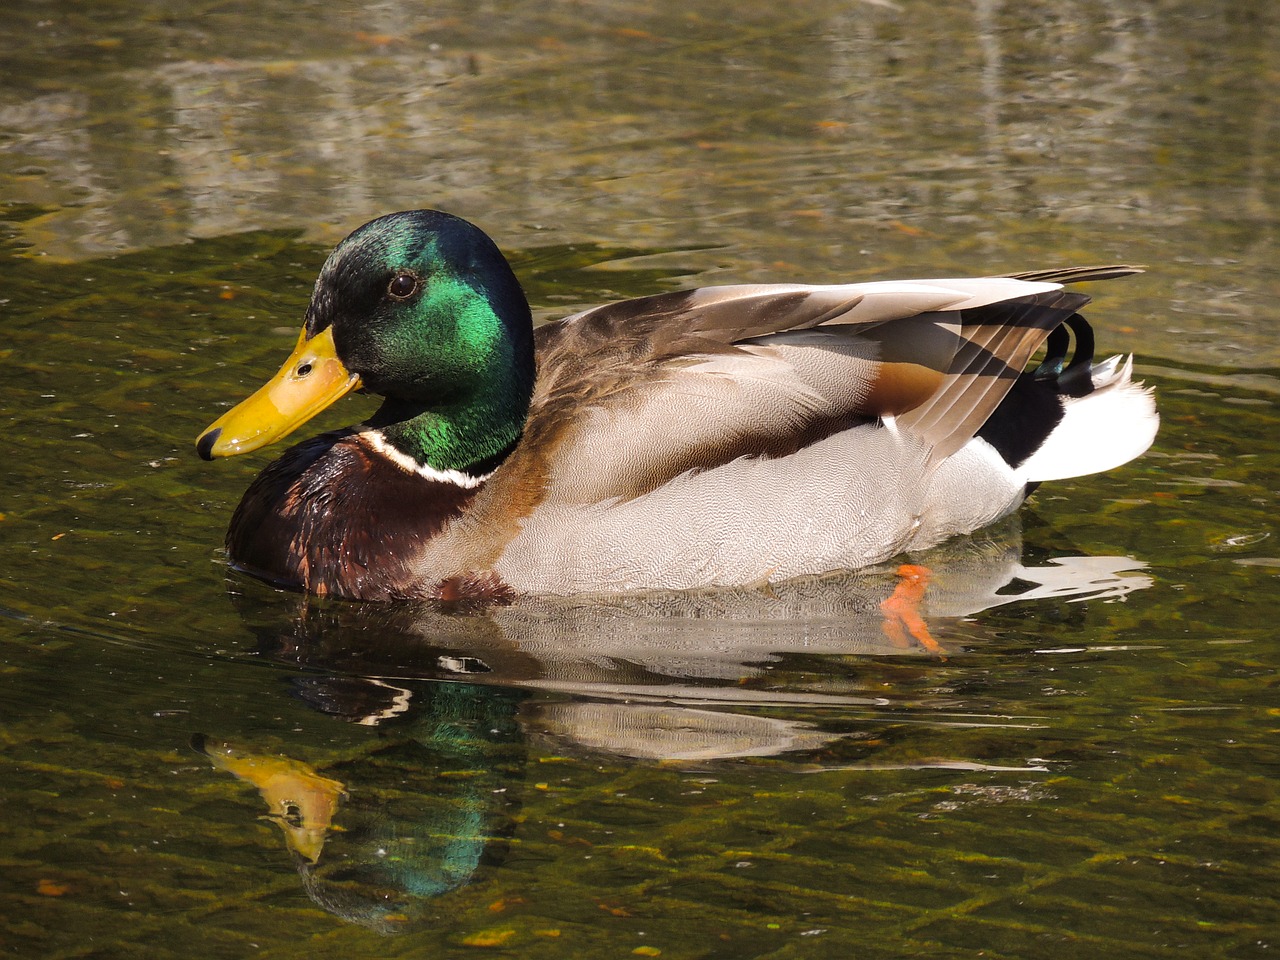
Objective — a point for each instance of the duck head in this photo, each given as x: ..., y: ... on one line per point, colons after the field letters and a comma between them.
x: 422, y: 309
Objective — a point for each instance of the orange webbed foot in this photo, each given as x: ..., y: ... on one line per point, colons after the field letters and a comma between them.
x: 903, y: 623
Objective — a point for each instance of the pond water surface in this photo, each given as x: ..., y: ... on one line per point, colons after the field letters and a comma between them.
x: 1078, y: 758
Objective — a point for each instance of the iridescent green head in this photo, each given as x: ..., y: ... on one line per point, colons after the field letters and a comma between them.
x: 421, y: 308
x: 424, y: 306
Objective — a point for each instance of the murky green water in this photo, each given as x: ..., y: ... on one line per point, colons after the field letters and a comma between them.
x: 1081, y: 760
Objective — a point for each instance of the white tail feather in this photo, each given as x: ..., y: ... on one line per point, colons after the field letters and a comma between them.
x: 1100, y: 431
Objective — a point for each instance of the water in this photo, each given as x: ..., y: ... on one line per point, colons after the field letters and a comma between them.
x: 1077, y: 757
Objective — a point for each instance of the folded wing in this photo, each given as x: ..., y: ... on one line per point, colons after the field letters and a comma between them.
x: 647, y: 389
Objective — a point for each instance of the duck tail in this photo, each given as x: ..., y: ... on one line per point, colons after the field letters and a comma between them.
x: 1070, y: 416
x: 1107, y: 419
x: 1100, y: 430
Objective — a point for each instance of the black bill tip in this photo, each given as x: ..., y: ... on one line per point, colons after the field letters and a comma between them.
x: 204, y: 446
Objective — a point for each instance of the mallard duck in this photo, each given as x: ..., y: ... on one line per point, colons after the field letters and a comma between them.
x: 720, y: 436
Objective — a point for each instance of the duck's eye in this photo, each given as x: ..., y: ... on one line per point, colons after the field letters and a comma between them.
x: 403, y: 286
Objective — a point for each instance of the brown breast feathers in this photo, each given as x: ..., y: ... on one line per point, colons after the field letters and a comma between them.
x: 334, y: 517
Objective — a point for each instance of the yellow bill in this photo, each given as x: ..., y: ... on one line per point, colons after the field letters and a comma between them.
x: 302, y: 802
x: 311, y: 379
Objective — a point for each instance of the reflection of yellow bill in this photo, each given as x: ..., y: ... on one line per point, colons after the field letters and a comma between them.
x: 301, y: 801
x: 311, y: 379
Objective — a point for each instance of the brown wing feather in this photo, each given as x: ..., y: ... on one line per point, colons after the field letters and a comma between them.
x: 641, y: 368
x: 1078, y: 274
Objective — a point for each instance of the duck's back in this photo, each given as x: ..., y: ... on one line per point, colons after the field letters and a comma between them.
x: 741, y: 434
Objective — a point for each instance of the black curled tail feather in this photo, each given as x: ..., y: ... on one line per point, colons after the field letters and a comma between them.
x: 1075, y: 379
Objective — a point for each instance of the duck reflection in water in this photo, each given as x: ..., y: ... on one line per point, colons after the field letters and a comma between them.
x: 459, y: 692
x: 379, y: 835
